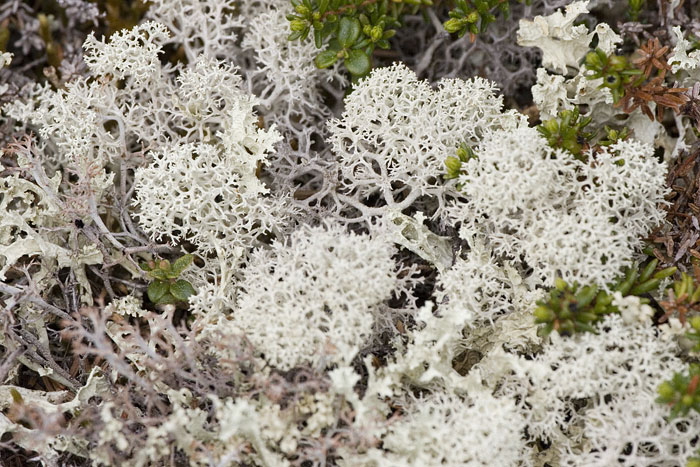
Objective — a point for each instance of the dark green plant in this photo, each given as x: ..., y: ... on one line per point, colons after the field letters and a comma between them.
x: 681, y: 393
x: 166, y: 287
x: 612, y: 136
x: 615, y: 70
x: 474, y: 16
x: 634, y: 7
x: 454, y: 164
x: 571, y: 308
x: 352, y: 29
x: 567, y: 132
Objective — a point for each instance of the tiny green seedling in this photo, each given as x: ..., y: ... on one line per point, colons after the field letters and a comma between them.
x: 166, y: 288
x: 567, y: 132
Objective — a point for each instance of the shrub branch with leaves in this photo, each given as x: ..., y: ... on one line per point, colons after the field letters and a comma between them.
x: 573, y: 308
x: 474, y: 16
x: 350, y: 29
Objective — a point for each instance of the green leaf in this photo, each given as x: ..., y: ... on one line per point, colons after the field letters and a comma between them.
x: 348, y: 31
x: 158, y: 273
x: 156, y: 290
x: 453, y: 165
x: 645, y: 287
x: 664, y: 273
x: 383, y: 44
x: 318, y: 38
x: 182, y: 290
x: 323, y: 6
x: 328, y: 29
x: 181, y: 264
x: 358, y: 63
x: 167, y: 298
x: 648, y: 270
x: 334, y: 45
x: 586, y: 295
x: 326, y: 58
x: 363, y: 43
x: 295, y: 35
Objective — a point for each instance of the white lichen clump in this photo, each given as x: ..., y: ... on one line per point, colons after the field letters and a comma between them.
x: 311, y: 300
x: 396, y: 131
x: 565, y: 217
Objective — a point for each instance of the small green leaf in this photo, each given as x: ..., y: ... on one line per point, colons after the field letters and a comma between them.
x: 626, y: 285
x: 383, y: 44
x: 358, y: 63
x: 348, y: 31
x: 165, y: 299
x: 362, y: 44
x: 181, y: 264
x: 182, y: 290
x: 158, y: 274
x: 318, y: 38
x: 544, y: 314
x: 586, y: 295
x: 334, y: 45
x: 326, y: 58
x: 298, y: 25
x: 323, y: 6
x: 156, y: 290
x: 648, y: 270
x: 664, y: 273
x: 295, y: 35
x: 645, y: 287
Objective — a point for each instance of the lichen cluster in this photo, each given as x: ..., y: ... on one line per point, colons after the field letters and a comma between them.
x: 350, y: 233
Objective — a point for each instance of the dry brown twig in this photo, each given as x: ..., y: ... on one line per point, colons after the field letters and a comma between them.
x: 653, y: 91
x: 691, y: 108
x: 642, y: 92
x: 652, y: 55
x: 677, y: 239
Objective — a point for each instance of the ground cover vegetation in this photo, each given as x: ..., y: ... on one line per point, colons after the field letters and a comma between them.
x: 350, y: 233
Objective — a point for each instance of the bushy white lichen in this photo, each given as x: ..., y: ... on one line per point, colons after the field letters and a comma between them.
x: 396, y: 131
x: 565, y: 218
x: 311, y: 299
